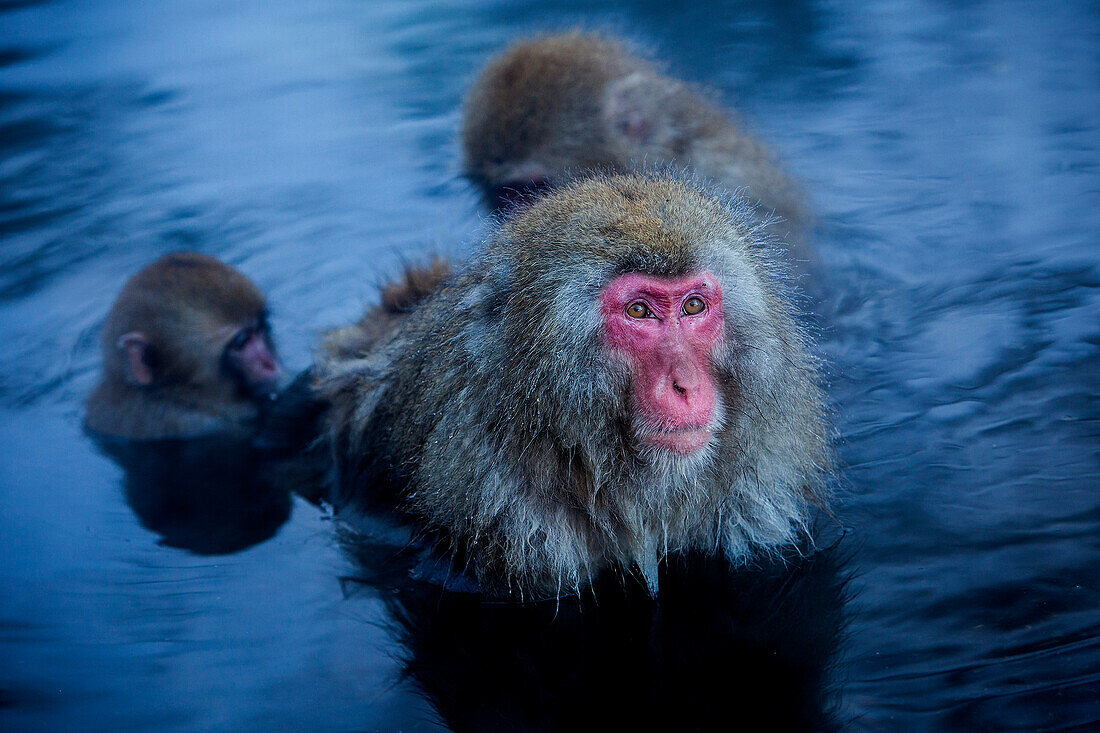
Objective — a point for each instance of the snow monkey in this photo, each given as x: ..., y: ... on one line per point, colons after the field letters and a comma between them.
x: 187, y: 352
x: 577, y: 101
x: 618, y: 375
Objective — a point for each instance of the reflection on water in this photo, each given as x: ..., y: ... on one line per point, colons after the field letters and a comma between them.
x: 951, y: 154
x: 211, y: 496
x: 757, y: 642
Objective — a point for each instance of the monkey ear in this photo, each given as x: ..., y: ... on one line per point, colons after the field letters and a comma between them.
x: 632, y: 106
x: 136, y: 345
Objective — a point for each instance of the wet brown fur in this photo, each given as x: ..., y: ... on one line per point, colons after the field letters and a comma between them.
x: 575, y: 101
x: 398, y: 299
x: 497, y: 421
x: 188, y: 306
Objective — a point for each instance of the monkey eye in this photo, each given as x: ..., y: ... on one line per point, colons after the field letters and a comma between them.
x: 240, y: 339
x: 638, y: 310
x: 694, y: 306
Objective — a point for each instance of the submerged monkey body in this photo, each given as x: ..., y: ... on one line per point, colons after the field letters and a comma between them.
x: 129, y: 413
x: 502, y: 419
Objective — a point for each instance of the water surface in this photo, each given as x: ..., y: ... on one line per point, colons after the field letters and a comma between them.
x: 951, y: 152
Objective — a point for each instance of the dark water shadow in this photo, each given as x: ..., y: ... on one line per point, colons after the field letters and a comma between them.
x: 722, y: 647
x: 210, y: 496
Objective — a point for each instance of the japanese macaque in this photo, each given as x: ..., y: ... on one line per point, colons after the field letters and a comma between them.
x: 572, y: 102
x: 617, y: 377
x: 187, y: 352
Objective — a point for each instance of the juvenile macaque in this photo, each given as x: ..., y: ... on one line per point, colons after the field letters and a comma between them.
x: 572, y: 102
x: 617, y: 377
x: 187, y: 352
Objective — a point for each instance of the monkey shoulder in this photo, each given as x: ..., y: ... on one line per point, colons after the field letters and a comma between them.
x: 128, y: 415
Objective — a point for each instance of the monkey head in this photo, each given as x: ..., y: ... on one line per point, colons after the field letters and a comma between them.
x: 187, y: 350
x: 651, y: 288
x: 571, y: 102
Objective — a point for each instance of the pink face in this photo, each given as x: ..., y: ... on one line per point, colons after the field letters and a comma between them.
x: 251, y: 355
x: 668, y: 329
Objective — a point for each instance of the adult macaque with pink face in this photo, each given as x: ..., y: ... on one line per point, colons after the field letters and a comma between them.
x: 618, y: 376
x: 187, y: 352
x: 668, y: 330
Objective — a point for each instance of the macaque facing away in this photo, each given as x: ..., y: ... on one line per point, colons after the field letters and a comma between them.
x: 573, y: 102
x: 616, y: 377
x: 187, y: 352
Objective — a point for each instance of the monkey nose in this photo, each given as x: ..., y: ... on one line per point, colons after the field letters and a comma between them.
x: 686, y: 397
x: 685, y: 381
x: 260, y: 365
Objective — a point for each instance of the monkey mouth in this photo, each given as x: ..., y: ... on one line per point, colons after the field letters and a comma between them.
x: 683, y: 441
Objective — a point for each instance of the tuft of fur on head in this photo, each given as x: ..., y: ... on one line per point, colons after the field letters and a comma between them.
x: 514, y: 439
x: 417, y: 283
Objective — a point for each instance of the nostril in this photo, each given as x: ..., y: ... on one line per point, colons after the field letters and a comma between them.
x: 678, y: 388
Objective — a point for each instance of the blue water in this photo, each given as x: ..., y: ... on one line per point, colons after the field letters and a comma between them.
x: 951, y: 152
